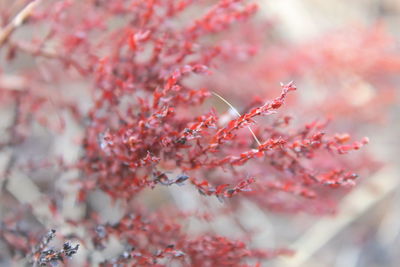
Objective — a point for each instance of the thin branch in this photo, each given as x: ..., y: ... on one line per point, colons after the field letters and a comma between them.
x: 17, y: 21
x: 13, y: 141
x: 50, y: 54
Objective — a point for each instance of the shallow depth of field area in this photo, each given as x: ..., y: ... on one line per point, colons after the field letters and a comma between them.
x: 199, y: 133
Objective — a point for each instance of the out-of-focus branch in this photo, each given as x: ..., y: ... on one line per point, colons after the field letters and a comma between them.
x: 12, y: 82
x: 50, y: 54
x: 17, y: 21
x: 352, y: 207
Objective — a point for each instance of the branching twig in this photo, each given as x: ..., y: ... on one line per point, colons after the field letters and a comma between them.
x: 43, y: 256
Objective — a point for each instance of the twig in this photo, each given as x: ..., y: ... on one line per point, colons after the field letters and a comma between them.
x: 50, y: 54
x: 17, y: 21
x: 13, y: 141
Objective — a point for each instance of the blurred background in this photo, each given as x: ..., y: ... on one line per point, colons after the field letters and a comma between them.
x: 366, y: 229
x: 344, y: 57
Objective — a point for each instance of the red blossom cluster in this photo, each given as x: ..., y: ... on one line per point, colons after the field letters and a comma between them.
x: 136, y: 78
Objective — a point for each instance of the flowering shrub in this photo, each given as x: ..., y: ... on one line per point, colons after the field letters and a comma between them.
x: 136, y: 78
